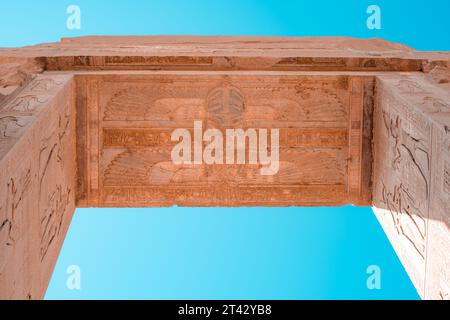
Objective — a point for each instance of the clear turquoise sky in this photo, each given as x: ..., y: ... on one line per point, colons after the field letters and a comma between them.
x: 421, y: 24
x: 180, y: 253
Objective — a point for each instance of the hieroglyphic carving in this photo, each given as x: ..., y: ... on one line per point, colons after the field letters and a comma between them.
x: 289, y: 137
x: 410, y: 177
x: 438, y: 259
x: 156, y: 61
x: 7, y: 124
x: 446, y: 175
x: 17, y: 220
x: 319, y: 62
x: 137, y: 115
x: 355, y: 63
x: 37, y: 198
x: 55, y: 201
x: 26, y: 104
x: 402, y: 172
x: 15, y: 74
x: 34, y: 95
x: 52, y: 220
x: 16, y: 193
x: 214, y: 195
x: 16, y: 115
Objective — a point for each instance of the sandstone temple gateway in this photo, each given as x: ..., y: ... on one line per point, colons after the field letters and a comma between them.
x: 87, y: 122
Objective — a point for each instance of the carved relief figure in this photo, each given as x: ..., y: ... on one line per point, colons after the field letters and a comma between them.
x: 148, y: 104
x: 408, y: 200
x: 26, y: 103
x: 53, y: 216
x: 43, y: 85
x: 7, y: 124
x: 136, y: 167
x: 17, y: 192
x: 409, y: 86
x: 54, y: 192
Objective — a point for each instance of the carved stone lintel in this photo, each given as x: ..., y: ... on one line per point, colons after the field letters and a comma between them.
x: 322, y: 120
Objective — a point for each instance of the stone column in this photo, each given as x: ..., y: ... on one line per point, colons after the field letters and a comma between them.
x: 412, y: 176
x: 37, y: 183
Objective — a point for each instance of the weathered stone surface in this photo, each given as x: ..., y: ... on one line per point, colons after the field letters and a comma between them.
x: 37, y: 184
x: 226, y: 53
x: 15, y: 73
x: 438, y: 259
x: 88, y: 122
x: 411, y: 151
x: 129, y: 119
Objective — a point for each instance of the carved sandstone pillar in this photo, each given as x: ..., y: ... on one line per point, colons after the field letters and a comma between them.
x: 37, y: 184
x: 412, y: 176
